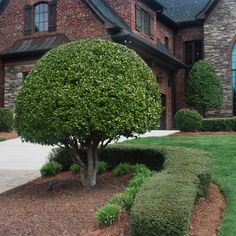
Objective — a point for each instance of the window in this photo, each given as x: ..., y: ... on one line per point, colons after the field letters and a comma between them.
x: 234, y: 78
x: 167, y: 43
x: 193, y: 53
x: 41, y: 17
x: 144, y: 22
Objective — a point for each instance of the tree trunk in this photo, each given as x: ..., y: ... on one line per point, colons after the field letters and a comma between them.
x: 89, y: 172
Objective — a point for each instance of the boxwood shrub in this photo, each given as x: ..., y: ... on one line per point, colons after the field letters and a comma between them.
x: 6, y: 119
x: 187, y: 120
x: 61, y: 156
x: 219, y: 124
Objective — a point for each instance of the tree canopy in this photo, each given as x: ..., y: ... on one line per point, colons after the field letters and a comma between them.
x: 85, y: 94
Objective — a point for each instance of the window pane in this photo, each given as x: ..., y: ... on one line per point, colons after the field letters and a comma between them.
x: 45, y: 16
x: 145, y: 22
x: 41, y: 17
x: 234, y: 78
x: 36, y: 8
x: 45, y: 26
x: 36, y: 18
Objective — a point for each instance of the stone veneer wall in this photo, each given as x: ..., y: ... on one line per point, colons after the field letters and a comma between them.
x: 14, y: 76
x: 219, y: 34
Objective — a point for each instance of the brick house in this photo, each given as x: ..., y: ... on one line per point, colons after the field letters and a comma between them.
x: 170, y: 35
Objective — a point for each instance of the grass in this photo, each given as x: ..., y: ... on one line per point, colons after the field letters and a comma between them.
x: 223, y: 150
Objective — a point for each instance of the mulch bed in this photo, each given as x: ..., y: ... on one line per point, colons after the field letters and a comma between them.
x: 69, y: 209
x: 8, y: 135
x: 208, y: 213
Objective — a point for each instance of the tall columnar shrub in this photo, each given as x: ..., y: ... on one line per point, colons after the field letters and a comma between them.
x: 85, y: 94
x: 203, y: 88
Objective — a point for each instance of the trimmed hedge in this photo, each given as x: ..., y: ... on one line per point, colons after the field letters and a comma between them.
x: 164, y: 204
x: 219, y: 124
x: 132, y: 154
x: 6, y: 119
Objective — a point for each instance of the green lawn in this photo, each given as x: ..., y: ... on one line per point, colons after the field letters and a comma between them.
x: 223, y: 150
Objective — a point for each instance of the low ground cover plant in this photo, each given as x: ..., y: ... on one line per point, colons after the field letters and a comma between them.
x: 51, y: 168
x: 102, y: 167
x: 61, y: 156
x: 110, y: 212
x: 75, y: 168
x: 122, y: 169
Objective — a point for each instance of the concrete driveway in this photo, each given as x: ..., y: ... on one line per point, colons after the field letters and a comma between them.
x: 20, y: 162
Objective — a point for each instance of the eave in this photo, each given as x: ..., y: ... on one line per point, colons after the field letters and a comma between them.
x: 149, y: 50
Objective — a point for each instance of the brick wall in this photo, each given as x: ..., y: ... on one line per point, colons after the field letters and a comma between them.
x: 164, y: 79
x: 123, y: 8
x: 74, y: 19
x: 219, y: 34
x: 126, y: 9
x: 2, y: 73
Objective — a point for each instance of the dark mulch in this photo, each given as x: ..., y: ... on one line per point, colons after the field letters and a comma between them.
x: 68, y: 209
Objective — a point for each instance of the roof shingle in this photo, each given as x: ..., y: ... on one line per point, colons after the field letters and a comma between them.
x: 181, y: 11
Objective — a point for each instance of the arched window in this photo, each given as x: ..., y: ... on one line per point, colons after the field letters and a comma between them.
x: 41, y: 17
x: 234, y: 78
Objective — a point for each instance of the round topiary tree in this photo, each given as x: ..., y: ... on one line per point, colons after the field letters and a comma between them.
x: 84, y: 94
x: 203, y: 88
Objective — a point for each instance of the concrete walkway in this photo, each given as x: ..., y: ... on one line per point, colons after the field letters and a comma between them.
x: 20, y: 162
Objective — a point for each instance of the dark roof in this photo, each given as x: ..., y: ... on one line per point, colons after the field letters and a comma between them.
x: 182, y: 11
x: 107, y: 13
x: 3, y: 5
x: 207, y: 9
x: 33, y: 46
